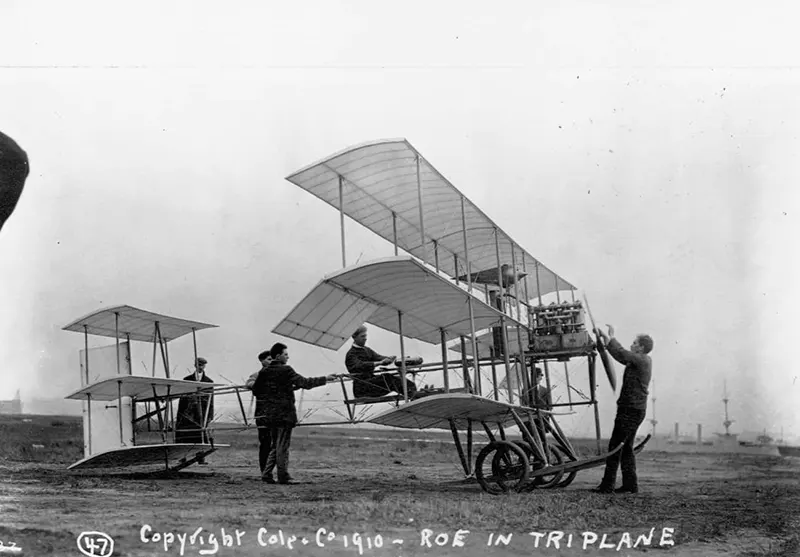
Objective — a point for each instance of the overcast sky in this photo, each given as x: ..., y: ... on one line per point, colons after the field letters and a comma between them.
x: 647, y: 152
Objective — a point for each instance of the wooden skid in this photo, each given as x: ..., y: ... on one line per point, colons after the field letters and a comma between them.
x: 638, y: 448
x: 576, y: 465
x: 183, y: 463
x: 585, y: 464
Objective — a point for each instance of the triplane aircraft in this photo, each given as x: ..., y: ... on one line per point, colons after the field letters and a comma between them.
x: 456, y: 253
x: 464, y: 281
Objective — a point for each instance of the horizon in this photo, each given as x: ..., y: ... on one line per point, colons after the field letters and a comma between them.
x: 231, y: 410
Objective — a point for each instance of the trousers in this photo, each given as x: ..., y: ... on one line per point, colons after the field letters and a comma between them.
x: 273, y: 449
x: 381, y: 385
x: 626, y: 423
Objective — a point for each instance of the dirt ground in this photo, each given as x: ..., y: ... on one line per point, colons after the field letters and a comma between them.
x: 390, y: 492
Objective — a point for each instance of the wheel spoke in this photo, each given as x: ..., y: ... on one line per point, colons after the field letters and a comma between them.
x: 502, y: 466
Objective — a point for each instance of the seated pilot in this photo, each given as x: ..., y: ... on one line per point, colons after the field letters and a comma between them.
x: 361, y: 362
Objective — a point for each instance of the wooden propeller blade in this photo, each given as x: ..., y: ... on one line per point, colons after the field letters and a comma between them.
x: 608, y: 365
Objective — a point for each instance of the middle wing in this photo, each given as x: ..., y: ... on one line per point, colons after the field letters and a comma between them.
x: 375, y: 292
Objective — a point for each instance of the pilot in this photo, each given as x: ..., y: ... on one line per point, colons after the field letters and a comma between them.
x: 361, y: 362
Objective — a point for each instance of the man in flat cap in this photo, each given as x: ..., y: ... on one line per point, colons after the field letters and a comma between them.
x: 195, y: 410
x: 361, y: 362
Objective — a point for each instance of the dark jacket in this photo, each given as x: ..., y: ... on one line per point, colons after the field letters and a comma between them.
x: 274, y: 392
x: 636, y: 378
x: 360, y: 361
x: 542, y: 398
x: 192, y: 409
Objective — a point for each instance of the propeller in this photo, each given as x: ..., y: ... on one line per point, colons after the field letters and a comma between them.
x: 608, y: 365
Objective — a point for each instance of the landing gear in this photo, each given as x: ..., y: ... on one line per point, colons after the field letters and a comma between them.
x: 502, y: 466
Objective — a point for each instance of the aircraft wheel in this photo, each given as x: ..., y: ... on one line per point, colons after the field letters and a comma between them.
x: 526, y: 448
x: 512, y: 466
x: 502, y: 466
x: 548, y: 480
x: 570, y: 476
x: 542, y: 481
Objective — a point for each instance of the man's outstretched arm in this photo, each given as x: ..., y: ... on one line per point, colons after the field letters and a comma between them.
x: 616, y: 350
x: 300, y: 382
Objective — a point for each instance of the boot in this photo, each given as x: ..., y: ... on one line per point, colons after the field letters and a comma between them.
x: 603, y: 488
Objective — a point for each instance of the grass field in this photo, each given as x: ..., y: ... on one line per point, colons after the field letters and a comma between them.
x: 395, y: 485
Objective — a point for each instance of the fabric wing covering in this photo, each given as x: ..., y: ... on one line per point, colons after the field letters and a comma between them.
x: 380, y: 179
x: 134, y: 323
x: 140, y: 388
x: 374, y: 292
x: 438, y: 410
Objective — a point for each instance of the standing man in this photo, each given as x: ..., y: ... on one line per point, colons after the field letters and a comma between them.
x: 265, y: 360
x: 13, y: 173
x: 266, y: 449
x: 541, y: 400
x: 631, y: 409
x: 195, y: 410
x: 276, y: 414
x: 541, y: 395
x: 361, y: 362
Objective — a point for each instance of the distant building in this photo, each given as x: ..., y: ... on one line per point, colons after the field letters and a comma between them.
x: 53, y: 407
x: 11, y: 406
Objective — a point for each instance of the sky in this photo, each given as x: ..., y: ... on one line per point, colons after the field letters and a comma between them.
x: 646, y: 152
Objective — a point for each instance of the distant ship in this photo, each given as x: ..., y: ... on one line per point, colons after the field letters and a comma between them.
x: 721, y: 442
